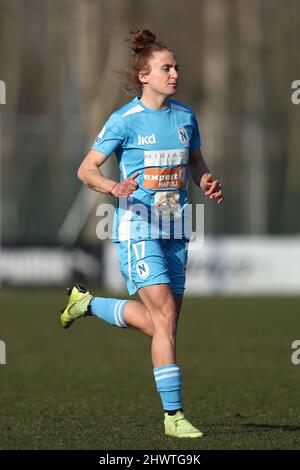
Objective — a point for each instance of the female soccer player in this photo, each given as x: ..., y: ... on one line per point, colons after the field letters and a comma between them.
x: 157, y: 144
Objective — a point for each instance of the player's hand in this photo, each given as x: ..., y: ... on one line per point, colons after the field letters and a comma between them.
x: 126, y: 187
x: 211, y: 187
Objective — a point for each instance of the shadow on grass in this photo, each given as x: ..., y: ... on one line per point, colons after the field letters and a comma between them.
x: 249, y: 427
x: 282, y: 427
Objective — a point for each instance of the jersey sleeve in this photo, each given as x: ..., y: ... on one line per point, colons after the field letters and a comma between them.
x: 111, y: 136
x: 195, y: 142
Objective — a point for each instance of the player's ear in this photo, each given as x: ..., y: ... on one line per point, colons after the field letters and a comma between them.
x: 143, y: 77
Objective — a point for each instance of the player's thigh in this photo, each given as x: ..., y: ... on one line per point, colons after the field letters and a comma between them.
x: 160, y: 302
x: 156, y: 297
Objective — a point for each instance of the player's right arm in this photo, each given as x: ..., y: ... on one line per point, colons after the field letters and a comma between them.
x: 90, y: 174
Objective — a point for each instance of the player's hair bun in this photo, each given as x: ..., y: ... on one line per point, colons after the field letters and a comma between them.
x: 144, y: 45
x: 141, y: 39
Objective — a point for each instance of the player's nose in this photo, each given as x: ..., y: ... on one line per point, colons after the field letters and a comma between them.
x: 174, y: 73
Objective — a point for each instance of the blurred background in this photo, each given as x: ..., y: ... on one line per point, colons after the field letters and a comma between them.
x: 60, y: 59
x: 59, y: 81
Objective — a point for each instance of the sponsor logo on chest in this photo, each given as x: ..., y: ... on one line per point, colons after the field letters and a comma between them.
x: 166, y: 157
x: 146, y: 139
x: 160, y: 178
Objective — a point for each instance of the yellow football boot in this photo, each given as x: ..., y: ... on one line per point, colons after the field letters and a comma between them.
x: 178, y: 426
x: 77, y: 306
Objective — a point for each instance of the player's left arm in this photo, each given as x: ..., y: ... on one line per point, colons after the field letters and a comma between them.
x: 203, y: 178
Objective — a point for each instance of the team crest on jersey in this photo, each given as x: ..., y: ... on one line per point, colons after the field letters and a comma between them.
x: 142, y: 269
x: 183, y: 137
x: 99, y: 138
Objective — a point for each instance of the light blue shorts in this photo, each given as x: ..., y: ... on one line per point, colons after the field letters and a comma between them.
x: 150, y: 262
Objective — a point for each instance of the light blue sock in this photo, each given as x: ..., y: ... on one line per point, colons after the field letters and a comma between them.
x: 110, y: 310
x: 168, y: 383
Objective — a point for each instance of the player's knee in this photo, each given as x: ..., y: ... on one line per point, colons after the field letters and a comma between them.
x: 164, y: 319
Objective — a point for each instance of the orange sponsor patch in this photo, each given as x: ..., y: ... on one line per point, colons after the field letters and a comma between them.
x: 164, y: 178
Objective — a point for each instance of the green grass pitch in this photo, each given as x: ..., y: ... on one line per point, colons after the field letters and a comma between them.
x: 91, y: 387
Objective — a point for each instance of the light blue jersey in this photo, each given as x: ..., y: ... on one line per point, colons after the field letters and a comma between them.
x: 156, y: 144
